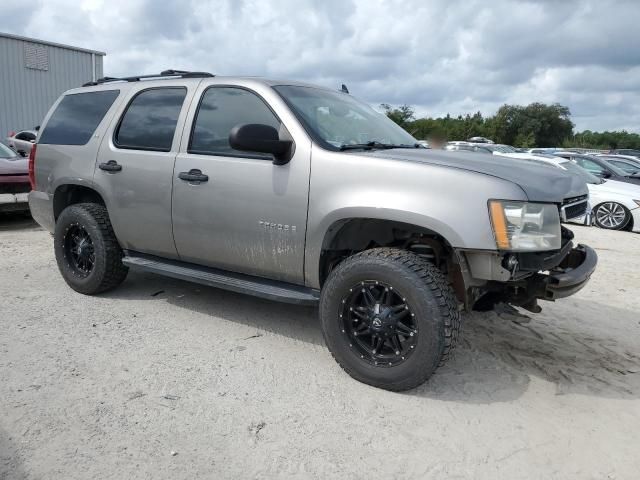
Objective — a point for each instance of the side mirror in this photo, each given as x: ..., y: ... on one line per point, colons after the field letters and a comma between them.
x: 256, y: 137
x: 22, y: 153
x: 606, y: 174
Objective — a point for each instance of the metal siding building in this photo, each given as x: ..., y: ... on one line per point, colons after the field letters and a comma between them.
x: 33, y: 74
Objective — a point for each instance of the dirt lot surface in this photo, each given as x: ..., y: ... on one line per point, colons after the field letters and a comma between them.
x: 165, y: 379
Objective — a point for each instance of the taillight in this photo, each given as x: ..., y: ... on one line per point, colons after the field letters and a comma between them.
x: 32, y: 166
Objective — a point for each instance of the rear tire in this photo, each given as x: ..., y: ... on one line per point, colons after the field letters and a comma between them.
x: 363, y: 337
x: 87, y: 251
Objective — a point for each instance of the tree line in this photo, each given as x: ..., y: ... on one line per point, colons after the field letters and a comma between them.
x: 533, y: 125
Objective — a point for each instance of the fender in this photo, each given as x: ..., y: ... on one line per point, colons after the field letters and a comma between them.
x: 447, y: 201
x: 316, y: 238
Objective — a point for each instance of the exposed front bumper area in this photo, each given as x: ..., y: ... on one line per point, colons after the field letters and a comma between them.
x: 560, y: 275
x: 12, y: 202
x: 569, y: 276
x: 572, y: 274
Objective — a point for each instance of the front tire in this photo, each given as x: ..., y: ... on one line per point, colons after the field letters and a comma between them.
x: 87, y: 251
x: 611, y: 216
x: 389, y: 318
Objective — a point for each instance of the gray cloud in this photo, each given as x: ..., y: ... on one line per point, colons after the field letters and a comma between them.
x: 439, y: 56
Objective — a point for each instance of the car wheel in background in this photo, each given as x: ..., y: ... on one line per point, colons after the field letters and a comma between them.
x: 389, y: 318
x: 611, y: 216
x: 87, y: 251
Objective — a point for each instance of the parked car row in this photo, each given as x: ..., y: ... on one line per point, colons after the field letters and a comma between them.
x: 613, y: 179
x: 614, y: 204
x: 22, y: 142
x: 14, y: 181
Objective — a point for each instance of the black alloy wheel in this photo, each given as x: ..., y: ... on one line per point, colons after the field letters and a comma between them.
x: 79, y: 250
x: 87, y: 251
x: 389, y: 317
x: 379, y: 323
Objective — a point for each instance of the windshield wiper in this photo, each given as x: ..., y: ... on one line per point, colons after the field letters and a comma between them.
x: 375, y: 145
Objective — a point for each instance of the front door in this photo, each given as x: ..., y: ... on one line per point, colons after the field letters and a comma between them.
x: 248, y: 215
x: 135, y: 164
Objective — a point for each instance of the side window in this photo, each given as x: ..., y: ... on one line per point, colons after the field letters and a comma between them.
x: 77, y: 116
x: 627, y: 167
x: 589, y: 166
x: 149, y: 123
x: 221, y: 109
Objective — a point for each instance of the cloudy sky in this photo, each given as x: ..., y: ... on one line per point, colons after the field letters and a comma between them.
x: 437, y: 55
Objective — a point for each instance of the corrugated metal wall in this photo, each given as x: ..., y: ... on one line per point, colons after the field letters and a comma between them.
x: 27, y: 93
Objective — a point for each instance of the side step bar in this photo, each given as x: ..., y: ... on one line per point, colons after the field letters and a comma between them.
x: 213, y: 277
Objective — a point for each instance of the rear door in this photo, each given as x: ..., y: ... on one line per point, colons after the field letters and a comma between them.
x: 250, y: 215
x: 135, y: 164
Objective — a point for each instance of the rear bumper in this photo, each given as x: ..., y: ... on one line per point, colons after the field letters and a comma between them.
x: 11, y: 202
x: 41, y: 205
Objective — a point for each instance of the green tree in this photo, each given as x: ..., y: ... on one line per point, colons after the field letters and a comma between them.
x: 402, y: 115
x: 533, y: 125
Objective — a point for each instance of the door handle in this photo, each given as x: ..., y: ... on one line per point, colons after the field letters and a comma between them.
x: 193, y: 175
x: 110, y: 166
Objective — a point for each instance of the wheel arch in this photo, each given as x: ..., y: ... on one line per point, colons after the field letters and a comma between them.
x: 351, y: 234
x: 72, y: 193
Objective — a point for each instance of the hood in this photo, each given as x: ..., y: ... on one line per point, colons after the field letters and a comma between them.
x: 14, y: 166
x: 539, y: 181
x: 621, y: 188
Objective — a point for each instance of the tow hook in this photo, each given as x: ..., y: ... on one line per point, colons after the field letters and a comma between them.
x: 532, y: 306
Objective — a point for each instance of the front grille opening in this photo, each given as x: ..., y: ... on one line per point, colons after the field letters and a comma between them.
x: 574, y: 207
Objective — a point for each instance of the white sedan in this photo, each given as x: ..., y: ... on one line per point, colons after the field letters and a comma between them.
x: 615, y: 205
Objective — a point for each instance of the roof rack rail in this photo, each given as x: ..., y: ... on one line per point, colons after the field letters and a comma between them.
x: 165, y: 73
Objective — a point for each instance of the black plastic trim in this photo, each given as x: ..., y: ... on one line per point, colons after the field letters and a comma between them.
x: 213, y: 277
x: 164, y: 74
x: 578, y: 267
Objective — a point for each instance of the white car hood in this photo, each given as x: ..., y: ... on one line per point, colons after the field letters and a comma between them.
x: 620, y: 188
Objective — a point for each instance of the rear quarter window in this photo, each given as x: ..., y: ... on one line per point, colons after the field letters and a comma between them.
x: 77, y: 116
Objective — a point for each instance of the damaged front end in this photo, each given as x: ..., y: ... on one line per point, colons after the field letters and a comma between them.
x: 521, y: 279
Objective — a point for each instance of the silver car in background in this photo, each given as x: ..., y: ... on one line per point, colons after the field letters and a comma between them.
x: 22, y: 141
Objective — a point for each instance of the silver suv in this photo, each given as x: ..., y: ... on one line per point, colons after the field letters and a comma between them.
x: 305, y: 195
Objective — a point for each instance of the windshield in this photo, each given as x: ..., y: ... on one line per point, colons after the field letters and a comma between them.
x: 336, y: 119
x: 581, y: 172
x: 6, y: 152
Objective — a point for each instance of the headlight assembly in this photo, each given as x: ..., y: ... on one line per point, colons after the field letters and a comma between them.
x: 524, y: 226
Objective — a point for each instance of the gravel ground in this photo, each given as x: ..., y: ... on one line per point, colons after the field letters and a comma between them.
x: 165, y: 379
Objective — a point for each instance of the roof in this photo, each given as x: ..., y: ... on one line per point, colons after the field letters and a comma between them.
x: 52, y: 44
x: 153, y: 80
